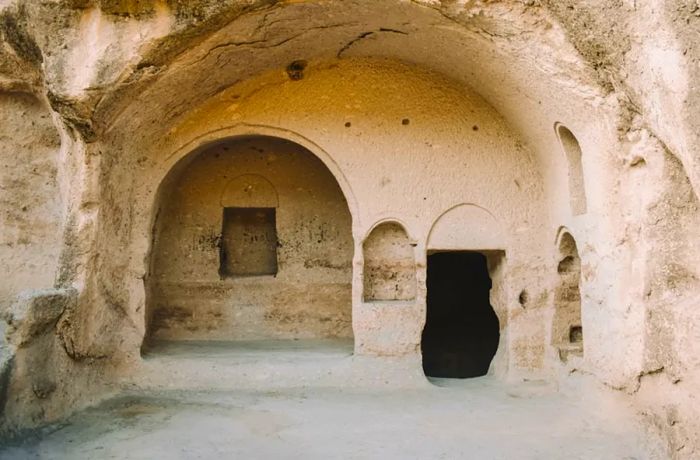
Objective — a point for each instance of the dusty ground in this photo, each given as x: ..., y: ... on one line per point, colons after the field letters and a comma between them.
x: 313, y: 417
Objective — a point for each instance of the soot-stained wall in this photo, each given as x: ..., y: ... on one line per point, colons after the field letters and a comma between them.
x: 310, y: 295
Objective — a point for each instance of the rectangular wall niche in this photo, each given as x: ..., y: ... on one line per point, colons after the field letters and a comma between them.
x: 248, y: 242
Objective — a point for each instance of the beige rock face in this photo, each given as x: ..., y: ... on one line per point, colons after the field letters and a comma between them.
x: 32, y: 205
x: 142, y: 141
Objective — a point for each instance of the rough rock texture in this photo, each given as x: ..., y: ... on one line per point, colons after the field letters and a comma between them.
x: 30, y: 195
x: 35, y: 313
x: 439, y: 115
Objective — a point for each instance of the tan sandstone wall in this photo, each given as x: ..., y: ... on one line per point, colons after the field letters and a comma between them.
x: 31, y: 204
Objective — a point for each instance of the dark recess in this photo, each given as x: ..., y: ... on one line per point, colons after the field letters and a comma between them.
x: 462, y: 331
x: 295, y: 70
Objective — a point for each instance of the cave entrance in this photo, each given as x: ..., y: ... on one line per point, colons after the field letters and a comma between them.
x: 461, y: 332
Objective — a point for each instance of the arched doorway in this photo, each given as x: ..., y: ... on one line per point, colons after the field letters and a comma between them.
x: 465, y: 308
x: 252, y: 240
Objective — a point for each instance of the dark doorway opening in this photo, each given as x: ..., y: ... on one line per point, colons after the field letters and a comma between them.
x: 461, y: 332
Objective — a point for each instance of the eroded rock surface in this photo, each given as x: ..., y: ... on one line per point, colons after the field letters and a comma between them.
x: 499, y: 127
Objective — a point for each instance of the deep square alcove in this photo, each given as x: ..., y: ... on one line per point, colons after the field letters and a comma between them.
x: 248, y: 242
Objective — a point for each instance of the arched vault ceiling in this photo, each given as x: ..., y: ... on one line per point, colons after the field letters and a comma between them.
x: 598, y: 67
x: 513, y: 56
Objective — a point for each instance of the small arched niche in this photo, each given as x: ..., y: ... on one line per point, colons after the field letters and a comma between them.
x: 577, y: 189
x: 567, y: 328
x: 390, y: 266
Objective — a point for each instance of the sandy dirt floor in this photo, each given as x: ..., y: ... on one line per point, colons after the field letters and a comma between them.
x: 313, y: 418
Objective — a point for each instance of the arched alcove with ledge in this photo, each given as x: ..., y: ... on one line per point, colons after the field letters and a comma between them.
x: 389, y: 264
x: 567, y: 326
x: 252, y: 241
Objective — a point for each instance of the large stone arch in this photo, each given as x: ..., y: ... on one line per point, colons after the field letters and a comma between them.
x: 344, y: 147
x: 197, y: 142
x: 215, y: 163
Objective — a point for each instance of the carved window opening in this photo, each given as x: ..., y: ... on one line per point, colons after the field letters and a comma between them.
x: 248, y: 242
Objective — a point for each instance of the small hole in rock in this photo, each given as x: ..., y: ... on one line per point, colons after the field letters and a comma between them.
x: 405, y: 121
x: 576, y: 334
x: 295, y: 70
x: 475, y: 128
x: 348, y: 124
x: 523, y: 298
